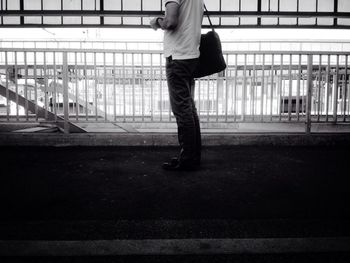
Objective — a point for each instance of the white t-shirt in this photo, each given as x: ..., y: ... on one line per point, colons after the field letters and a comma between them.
x: 184, y: 41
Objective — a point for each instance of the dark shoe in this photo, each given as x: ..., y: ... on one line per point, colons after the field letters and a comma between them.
x: 175, y: 165
x: 175, y: 161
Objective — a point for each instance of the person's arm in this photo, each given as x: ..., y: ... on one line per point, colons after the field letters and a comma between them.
x: 170, y: 21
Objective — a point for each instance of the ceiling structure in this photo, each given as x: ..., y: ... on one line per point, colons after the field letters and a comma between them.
x: 137, y: 13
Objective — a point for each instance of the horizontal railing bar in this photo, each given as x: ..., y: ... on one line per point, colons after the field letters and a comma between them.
x: 316, y: 41
x: 140, y: 51
x: 71, y: 50
x: 148, y: 66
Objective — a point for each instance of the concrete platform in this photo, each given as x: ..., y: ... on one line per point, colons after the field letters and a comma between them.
x: 164, y: 134
x: 170, y: 139
x: 117, y: 201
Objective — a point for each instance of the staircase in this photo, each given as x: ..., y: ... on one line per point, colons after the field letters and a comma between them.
x: 40, y: 111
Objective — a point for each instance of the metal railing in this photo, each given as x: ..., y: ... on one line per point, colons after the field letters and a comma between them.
x: 227, y: 45
x: 129, y: 86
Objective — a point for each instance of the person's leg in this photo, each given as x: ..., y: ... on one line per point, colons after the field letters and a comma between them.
x: 179, y: 84
x: 197, y: 124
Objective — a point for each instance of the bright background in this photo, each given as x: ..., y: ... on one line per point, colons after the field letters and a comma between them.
x: 151, y: 35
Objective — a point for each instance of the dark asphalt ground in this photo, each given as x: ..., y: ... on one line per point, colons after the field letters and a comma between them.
x: 128, y: 183
x: 122, y: 192
x: 285, y: 258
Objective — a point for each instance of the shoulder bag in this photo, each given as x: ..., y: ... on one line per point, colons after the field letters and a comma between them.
x: 211, y: 59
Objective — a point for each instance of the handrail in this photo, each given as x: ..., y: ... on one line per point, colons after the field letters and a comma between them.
x: 315, y: 41
x: 140, y: 51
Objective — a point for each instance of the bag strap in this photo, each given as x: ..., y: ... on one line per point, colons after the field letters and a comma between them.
x: 206, y: 10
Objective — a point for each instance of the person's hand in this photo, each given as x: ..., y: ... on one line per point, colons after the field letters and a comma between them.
x: 154, y: 23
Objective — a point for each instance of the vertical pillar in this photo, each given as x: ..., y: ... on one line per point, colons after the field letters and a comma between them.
x: 335, y: 92
x: 65, y: 92
x: 309, y: 94
x: 335, y: 10
x: 21, y: 8
x: 102, y: 8
x: 259, y: 11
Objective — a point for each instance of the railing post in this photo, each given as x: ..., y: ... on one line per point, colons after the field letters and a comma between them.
x: 65, y: 92
x: 309, y: 94
x: 335, y: 92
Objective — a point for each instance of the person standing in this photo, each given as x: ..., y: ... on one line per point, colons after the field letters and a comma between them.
x: 182, y: 33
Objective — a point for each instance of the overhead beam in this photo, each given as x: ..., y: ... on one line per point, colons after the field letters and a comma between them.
x: 136, y: 13
x: 147, y: 26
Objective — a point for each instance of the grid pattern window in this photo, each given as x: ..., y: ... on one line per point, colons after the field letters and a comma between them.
x: 137, y: 13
